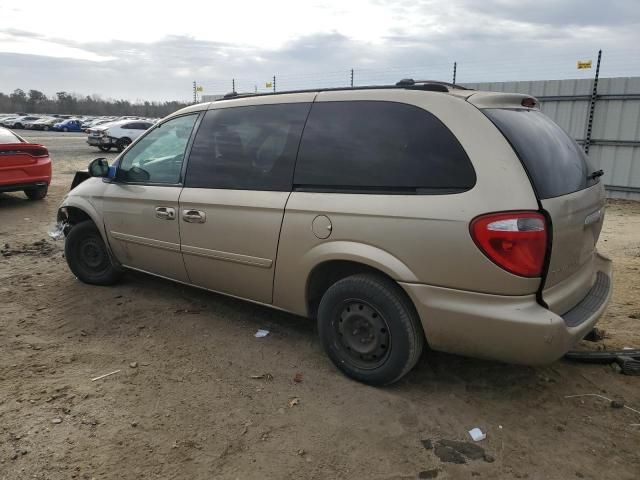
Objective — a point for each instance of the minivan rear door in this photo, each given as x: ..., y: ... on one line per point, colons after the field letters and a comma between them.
x: 569, y: 191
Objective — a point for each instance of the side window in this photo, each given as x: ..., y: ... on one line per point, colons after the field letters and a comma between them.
x: 127, y: 126
x: 158, y: 156
x: 247, y: 148
x: 382, y: 147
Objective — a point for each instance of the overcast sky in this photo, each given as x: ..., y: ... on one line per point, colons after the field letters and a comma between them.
x: 155, y: 50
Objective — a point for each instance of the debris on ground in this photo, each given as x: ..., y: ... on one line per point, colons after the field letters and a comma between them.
x: 105, y: 375
x: 294, y: 401
x: 37, y: 248
x: 596, y: 335
x: 453, y: 451
x: 477, y: 434
x: 133, y: 365
x: 297, y: 378
x: 613, y: 403
x: 433, y: 473
x: 261, y: 333
x: 628, y: 358
x: 56, y: 420
x: 265, y: 376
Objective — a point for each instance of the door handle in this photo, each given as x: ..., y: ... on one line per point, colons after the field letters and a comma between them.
x: 194, y: 216
x: 165, y: 213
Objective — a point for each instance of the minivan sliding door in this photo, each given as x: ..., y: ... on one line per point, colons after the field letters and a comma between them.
x: 237, y: 184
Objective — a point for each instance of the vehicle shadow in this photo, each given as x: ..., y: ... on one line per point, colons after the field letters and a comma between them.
x: 14, y: 200
x: 481, y: 378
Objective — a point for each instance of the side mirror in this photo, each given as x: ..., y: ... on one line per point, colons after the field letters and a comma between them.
x: 99, y: 167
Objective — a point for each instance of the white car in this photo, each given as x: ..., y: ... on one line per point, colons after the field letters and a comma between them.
x: 117, y: 134
x: 19, y: 122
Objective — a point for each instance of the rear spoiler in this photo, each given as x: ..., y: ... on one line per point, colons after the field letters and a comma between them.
x: 31, y: 149
x: 503, y: 100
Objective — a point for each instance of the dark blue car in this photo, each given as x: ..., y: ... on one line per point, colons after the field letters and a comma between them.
x: 68, y: 126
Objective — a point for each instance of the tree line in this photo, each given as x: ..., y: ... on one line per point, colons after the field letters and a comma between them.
x: 34, y: 101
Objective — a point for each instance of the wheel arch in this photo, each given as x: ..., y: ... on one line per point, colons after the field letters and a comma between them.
x: 73, y: 212
x: 341, y: 261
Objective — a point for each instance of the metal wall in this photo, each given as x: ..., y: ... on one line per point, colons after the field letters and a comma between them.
x: 615, y: 139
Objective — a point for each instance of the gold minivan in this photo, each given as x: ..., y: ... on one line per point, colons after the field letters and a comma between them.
x: 394, y: 215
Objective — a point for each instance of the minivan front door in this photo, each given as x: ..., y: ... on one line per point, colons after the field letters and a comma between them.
x: 141, y: 208
x: 237, y: 184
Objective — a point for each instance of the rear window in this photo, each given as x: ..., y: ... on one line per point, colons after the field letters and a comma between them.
x: 6, y: 136
x: 380, y: 147
x: 554, y: 161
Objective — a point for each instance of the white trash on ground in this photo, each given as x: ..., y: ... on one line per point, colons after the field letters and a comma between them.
x: 477, y: 434
x: 261, y: 333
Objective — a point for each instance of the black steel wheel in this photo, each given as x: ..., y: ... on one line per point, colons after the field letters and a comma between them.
x: 363, y: 333
x: 369, y: 329
x: 88, y: 257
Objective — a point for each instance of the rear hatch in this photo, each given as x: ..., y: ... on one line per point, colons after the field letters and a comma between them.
x: 570, y: 193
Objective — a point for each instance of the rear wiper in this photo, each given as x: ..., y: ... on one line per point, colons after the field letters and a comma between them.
x: 596, y: 174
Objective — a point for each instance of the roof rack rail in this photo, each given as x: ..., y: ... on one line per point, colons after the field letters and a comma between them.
x: 407, y: 83
x: 410, y: 82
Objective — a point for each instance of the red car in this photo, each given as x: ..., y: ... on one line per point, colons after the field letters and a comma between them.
x: 23, y: 166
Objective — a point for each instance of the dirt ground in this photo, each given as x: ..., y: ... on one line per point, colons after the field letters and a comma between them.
x: 184, y: 403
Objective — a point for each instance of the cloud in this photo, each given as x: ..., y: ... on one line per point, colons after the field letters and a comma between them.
x: 491, y: 40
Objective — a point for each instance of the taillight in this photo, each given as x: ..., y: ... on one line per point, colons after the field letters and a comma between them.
x: 515, y: 241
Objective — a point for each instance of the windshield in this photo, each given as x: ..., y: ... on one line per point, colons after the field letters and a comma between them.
x: 554, y: 161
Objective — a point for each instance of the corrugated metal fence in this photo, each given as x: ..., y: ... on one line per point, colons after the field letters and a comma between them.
x: 615, y: 138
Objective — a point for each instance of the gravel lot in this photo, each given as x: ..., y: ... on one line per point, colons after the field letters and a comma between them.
x: 184, y: 403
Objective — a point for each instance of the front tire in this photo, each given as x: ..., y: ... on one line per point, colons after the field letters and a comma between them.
x: 369, y: 329
x: 65, y: 129
x: 37, y: 193
x: 103, y: 148
x: 88, y: 257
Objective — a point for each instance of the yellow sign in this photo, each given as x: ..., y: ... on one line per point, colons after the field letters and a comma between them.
x: 269, y: 84
x: 199, y: 89
x: 584, y: 64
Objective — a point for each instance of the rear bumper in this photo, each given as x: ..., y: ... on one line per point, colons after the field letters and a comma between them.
x: 512, y: 329
x: 22, y: 186
x: 16, y: 177
x: 101, y: 141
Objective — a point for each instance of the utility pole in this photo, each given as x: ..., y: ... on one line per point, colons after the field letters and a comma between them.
x: 455, y: 67
x: 352, y: 78
x: 274, y: 84
x: 233, y: 85
x: 195, y: 92
x: 592, y: 106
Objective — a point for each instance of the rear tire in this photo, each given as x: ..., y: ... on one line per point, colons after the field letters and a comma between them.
x: 369, y: 329
x: 88, y: 257
x: 123, y: 143
x: 37, y: 193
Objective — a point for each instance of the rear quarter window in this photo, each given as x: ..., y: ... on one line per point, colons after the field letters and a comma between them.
x: 554, y: 161
x: 380, y: 147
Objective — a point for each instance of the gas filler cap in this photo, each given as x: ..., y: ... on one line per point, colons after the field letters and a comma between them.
x: 321, y: 226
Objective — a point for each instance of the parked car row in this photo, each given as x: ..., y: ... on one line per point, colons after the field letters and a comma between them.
x: 62, y: 123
